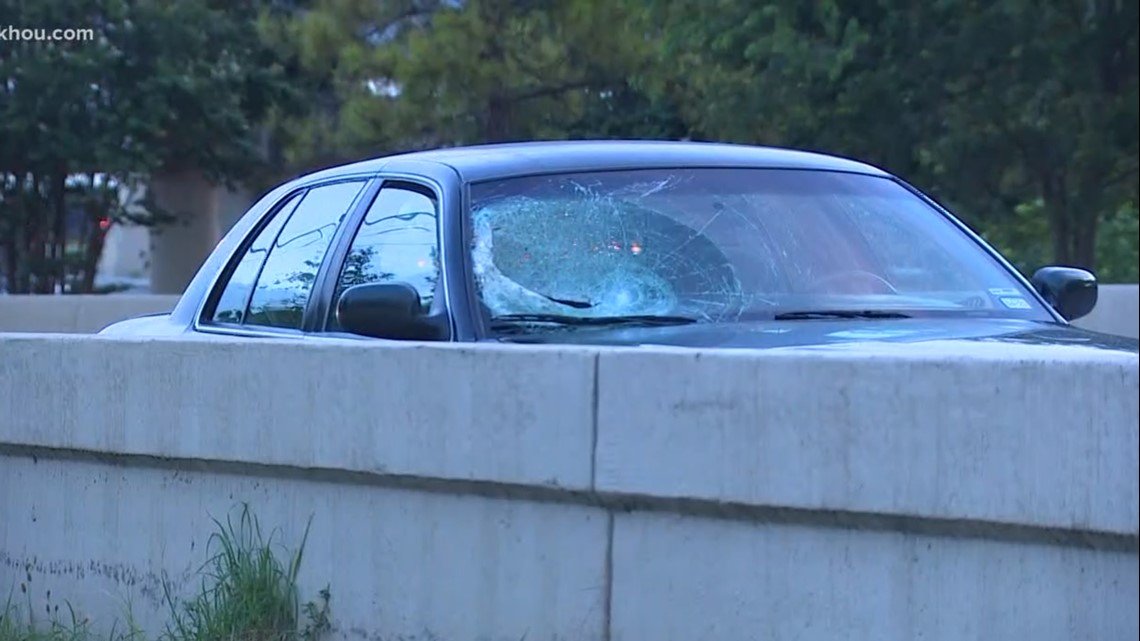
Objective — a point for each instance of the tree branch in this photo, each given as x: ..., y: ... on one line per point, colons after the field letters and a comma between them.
x: 553, y: 90
x: 380, y: 32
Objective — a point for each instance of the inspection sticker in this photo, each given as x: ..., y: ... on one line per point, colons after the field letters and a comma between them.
x: 1004, y: 291
x: 1015, y: 303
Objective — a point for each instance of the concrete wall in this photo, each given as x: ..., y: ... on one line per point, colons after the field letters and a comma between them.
x: 500, y: 493
x: 76, y: 314
x: 1117, y: 311
x: 126, y: 255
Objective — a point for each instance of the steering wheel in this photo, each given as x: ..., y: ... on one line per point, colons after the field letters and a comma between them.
x: 855, y: 274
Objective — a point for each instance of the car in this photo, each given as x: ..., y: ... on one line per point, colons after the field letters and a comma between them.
x: 629, y: 243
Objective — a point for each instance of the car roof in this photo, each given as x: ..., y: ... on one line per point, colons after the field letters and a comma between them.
x: 504, y: 160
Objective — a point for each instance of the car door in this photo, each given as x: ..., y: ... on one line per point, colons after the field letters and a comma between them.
x: 270, y: 286
x: 394, y: 238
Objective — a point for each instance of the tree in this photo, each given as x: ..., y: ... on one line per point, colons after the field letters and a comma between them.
x: 1055, y: 97
x: 1005, y: 110
x: 164, y: 85
x: 410, y: 74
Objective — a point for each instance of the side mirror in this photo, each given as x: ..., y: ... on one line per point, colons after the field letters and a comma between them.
x: 389, y: 310
x: 1071, y: 291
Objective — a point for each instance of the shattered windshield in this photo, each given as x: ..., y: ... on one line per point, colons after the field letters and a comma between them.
x: 724, y: 245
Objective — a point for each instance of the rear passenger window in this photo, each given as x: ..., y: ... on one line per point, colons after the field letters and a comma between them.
x: 287, y: 278
x: 271, y: 284
x: 232, y: 303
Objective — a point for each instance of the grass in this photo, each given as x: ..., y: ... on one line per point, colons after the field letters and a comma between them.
x: 246, y: 594
x: 18, y: 625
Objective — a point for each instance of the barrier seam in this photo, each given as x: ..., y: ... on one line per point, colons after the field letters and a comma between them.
x: 594, y: 403
x: 608, y: 578
x: 616, y: 502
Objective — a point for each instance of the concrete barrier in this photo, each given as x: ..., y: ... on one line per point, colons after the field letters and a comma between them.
x: 80, y: 314
x: 1117, y: 312
x: 508, y: 492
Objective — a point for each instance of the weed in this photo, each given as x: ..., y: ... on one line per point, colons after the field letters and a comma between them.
x: 17, y: 624
x: 246, y: 594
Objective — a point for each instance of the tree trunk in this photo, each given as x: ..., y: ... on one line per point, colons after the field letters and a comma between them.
x: 1074, y: 236
x: 178, y: 249
x: 497, y: 127
x: 57, y: 193
x: 1073, y: 223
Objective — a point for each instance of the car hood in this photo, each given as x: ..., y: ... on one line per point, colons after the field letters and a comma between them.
x: 846, y: 334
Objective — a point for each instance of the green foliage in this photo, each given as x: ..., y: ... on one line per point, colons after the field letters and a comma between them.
x: 411, y: 73
x: 1020, y: 115
x: 1030, y: 137
x: 164, y: 85
x: 1050, y: 94
x: 993, y: 107
x: 20, y: 624
x: 246, y: 593
x: 1118, y: 245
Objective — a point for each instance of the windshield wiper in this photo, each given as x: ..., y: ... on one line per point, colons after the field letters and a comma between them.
x: 813, y: 314
x: 514, y: 320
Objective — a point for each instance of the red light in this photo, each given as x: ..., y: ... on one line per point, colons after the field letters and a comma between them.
x: 104, y: 224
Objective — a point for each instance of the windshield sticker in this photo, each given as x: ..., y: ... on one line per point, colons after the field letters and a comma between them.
x: 1015, y: 303
x: 1004, y: 291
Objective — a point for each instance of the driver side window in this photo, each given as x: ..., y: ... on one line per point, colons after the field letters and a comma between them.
x: 398, y: 241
